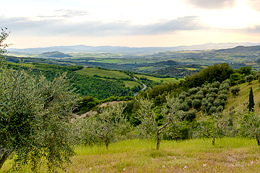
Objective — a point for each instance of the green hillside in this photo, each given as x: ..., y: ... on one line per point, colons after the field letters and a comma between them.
x: 238, y: 103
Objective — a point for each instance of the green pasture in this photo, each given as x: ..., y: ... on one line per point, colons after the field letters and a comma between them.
x: 156, y: 79
x: 131, y: 84
x: 102, y: 73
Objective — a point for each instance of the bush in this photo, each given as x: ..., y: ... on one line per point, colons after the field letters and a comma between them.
x: 235, y: 90
x: 196, y: 104
x: 193, y: 91
x: 223, y: 97
x: 212, y: 110
x: 213, y: 90
x: 210, y: 99
x: 184, y: 106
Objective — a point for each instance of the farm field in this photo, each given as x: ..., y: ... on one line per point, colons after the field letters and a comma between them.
x: 102, y: 73
x: 196, y: 155
x: 156, y: 79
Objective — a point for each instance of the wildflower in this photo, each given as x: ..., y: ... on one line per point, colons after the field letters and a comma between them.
x: 185, y: 167
x: 124, y: 169
x: 163, y: 166
x: 204, y: 165
x: 252, y: 162
x: 89, y: 168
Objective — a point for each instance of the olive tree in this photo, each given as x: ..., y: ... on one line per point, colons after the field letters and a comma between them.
x: 109, y: 124
x: 34, y: 118
x: 213, y: 126
x: 251, y: 126
x: 149, y: 125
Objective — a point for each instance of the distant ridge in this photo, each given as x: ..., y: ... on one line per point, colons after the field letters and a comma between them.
x: 128, y: 50
x: 241, y: 49
x: 55, y: 54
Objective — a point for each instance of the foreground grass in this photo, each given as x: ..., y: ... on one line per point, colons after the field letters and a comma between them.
x: 197, y: 155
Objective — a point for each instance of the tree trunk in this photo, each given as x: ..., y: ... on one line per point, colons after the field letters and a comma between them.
x: 213, y: 140
x: 3, y: 158
x: 257, y: 139
x: 158, y: 141
x: 107, y: 143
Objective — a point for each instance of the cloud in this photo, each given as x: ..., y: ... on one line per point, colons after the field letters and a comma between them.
x: 254, y: 4
x: 55, y: 27
x: 213, y: 4
x: 66, y: 13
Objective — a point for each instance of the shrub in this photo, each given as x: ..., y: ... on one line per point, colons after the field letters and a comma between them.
x: 235, y: 90
x: 196, y: 104
x: 184, y: 106
x: 212, y: 110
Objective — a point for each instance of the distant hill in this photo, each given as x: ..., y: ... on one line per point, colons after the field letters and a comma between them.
x: 55, y: 54
x: 127, y: 50
x: 240, y: 49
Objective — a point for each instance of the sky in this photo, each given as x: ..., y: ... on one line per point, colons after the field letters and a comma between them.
x: 132, y: 23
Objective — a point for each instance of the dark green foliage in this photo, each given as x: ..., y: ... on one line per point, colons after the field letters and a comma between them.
x: 34, y: 123
x: 86, y: 103
x: 250, y: 126
x: 189, y: 101
x: 217, y: 103
x: 212, y: 94
x: 235, y: 78
x: 199, y: 96
x: 214, y: 90
x: 213, y: 73
x: 220, y: 109
x: 244, y: 70
x: 223, y: 91
x: 249, y: 79
x: 193, y: 91
x: 84, y: 85
x: 212, y: 110
x: 210, y: 99
x: 235, y: 90
x: 215, y: 84
x: 251, y: 103
x: 196, y: 104
x: 184, y: 106
x: 223, y: 97
x: 183, y: 95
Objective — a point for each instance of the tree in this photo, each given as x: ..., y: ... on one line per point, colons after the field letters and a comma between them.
x: 149, y: 119
x: 249, y: 79
x: 235, y: 90
x: 251, y: 126
x: 109, y: 124
x: 213, y: 126
x: 251, y: 102
x: 34, y: 118
x: 4, y: 34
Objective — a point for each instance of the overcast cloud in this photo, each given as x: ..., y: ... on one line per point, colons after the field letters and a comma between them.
x: 61, y: 27
x: 213, y: 4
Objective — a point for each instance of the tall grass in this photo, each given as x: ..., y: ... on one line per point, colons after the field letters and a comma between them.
x: 196, y: 155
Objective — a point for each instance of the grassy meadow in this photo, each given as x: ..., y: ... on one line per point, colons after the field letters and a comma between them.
x: 196, y: 155
x: 102, y: 73
x: 156, y: 79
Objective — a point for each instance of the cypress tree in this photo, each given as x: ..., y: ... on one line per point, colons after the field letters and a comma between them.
x: 251, y: 103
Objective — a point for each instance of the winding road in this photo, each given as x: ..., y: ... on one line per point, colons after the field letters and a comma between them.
x: 144, y: 87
